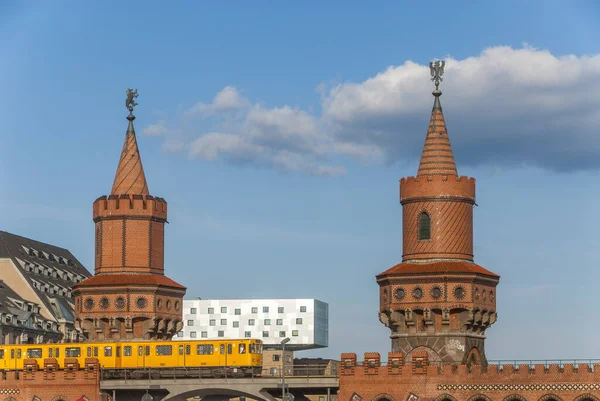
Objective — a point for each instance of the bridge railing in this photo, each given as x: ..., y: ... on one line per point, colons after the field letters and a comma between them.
x: 516, y: 363
x: 143, y: 373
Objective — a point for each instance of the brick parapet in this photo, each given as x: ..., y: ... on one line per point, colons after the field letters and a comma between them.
x: 438, y: 187
x: 48, y: 383
x: 461, y: 382
x: 130, y: 206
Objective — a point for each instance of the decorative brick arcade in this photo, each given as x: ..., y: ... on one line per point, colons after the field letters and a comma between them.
x: 129, y: 297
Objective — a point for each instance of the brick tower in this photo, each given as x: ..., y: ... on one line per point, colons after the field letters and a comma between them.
x: 129, y: 297
x: 438, y: 300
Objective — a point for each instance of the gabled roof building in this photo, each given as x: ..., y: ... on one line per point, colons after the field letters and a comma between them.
x: 36, y: 303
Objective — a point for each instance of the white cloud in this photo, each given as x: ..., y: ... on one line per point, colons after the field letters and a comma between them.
x: 504, y: 106
x: 227, y: 100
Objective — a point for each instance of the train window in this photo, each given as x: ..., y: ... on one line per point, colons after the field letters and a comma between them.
x: 1, y: 354
x: 252, y: 348
x: 147, y: 350
x: 205, y: 349
x: 49, y: 352
x: 242, y: 349
x: 222, y: 349
x: 164, y: 350
x: 229, y: 349
x: 107, y: 351
x: 34, y: 353
x: 95, y: 352
x: 187, y: 349
x: 73, y: 352
x: 181, y: 350
x: 89, y: 352
x: 140, y: 350
x: 18, y: 354
x: 12, y: 354
x: 57, y: 352
x: 127, y: 350
x: 118, y: 351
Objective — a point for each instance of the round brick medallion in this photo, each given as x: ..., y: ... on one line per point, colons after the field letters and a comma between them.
x: 492, y: 297
x: 104, y: 303
x: 89, y: 303
x: 436, y: 292
x: 141, y: 302
x: 459, y: 292
x: 120, y: 302
x: 176, y: 305
x: 159, y: 303
x: 417, y: 293
x: 168, y: 305
x: 400, y: 293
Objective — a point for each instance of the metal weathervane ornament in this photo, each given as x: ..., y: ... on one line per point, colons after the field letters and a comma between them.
x: 130, y: 103
x: 437, y: 70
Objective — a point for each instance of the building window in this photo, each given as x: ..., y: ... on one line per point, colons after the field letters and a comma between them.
x: 211, y: 311
x: 204, y: 334
x: 294, y: 333
x: 321, y: 398
x: 236, y: 324
x: 223, y: 309
x: 180, y: 334
x: 279, y: 322
x: 221, y: 333
x: 250, y: 322
x: 190, y: 322
x: 193, y: 311
x: 192, y: 334
x: 273, y: 371
x: 267, y: 322
x: 276, y: 358
x: 424, y: 226
x: 303, y: 309
x: 265, y: 334
x: 282, y: 334
x: 212, y: 322
x: 247, y: 334
x: 298, y: 320
x: 254, y: 309
x: 238, y: 311
x: 280, y: 309
x: 223, y: 322
x: 265, y: 309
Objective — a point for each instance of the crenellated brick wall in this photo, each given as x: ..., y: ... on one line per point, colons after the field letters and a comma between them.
x: 421, y: 381
x: 47, y: 383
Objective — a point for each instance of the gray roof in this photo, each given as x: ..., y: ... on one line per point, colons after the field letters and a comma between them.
x: 46, y: 268
x: 8, y: 305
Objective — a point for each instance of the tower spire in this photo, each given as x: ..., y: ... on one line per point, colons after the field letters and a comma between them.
x: 130, y: 178
x: 437, y: 157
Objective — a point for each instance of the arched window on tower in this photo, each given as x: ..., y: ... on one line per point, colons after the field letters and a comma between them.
x: 424, y: 226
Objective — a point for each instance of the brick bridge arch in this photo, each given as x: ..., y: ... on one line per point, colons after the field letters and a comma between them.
x: 445, y: 397
x: 514, y: 397
x: 480, y: 397
x: 383, y: 397
x: 550, y: 397
x: 587, y: 397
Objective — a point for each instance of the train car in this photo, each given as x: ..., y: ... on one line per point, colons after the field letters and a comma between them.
x: 203, y: 357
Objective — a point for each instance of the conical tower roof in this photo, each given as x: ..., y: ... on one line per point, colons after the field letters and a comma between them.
x: 437, y: 157
x: 130, y: 178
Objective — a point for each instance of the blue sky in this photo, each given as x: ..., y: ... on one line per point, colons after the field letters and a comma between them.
x: 278, y: 134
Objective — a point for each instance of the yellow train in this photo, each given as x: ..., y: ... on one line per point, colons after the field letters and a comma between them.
x: 235, y: 358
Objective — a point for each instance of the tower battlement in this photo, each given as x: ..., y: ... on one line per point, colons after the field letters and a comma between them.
x: 437, y: 186
x: 130, y: 205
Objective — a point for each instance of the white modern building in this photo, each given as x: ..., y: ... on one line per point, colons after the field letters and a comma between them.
x: 304, y: 321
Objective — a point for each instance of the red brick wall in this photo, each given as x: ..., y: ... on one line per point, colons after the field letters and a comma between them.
x: 432, y: 383
x: 46, y: 385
